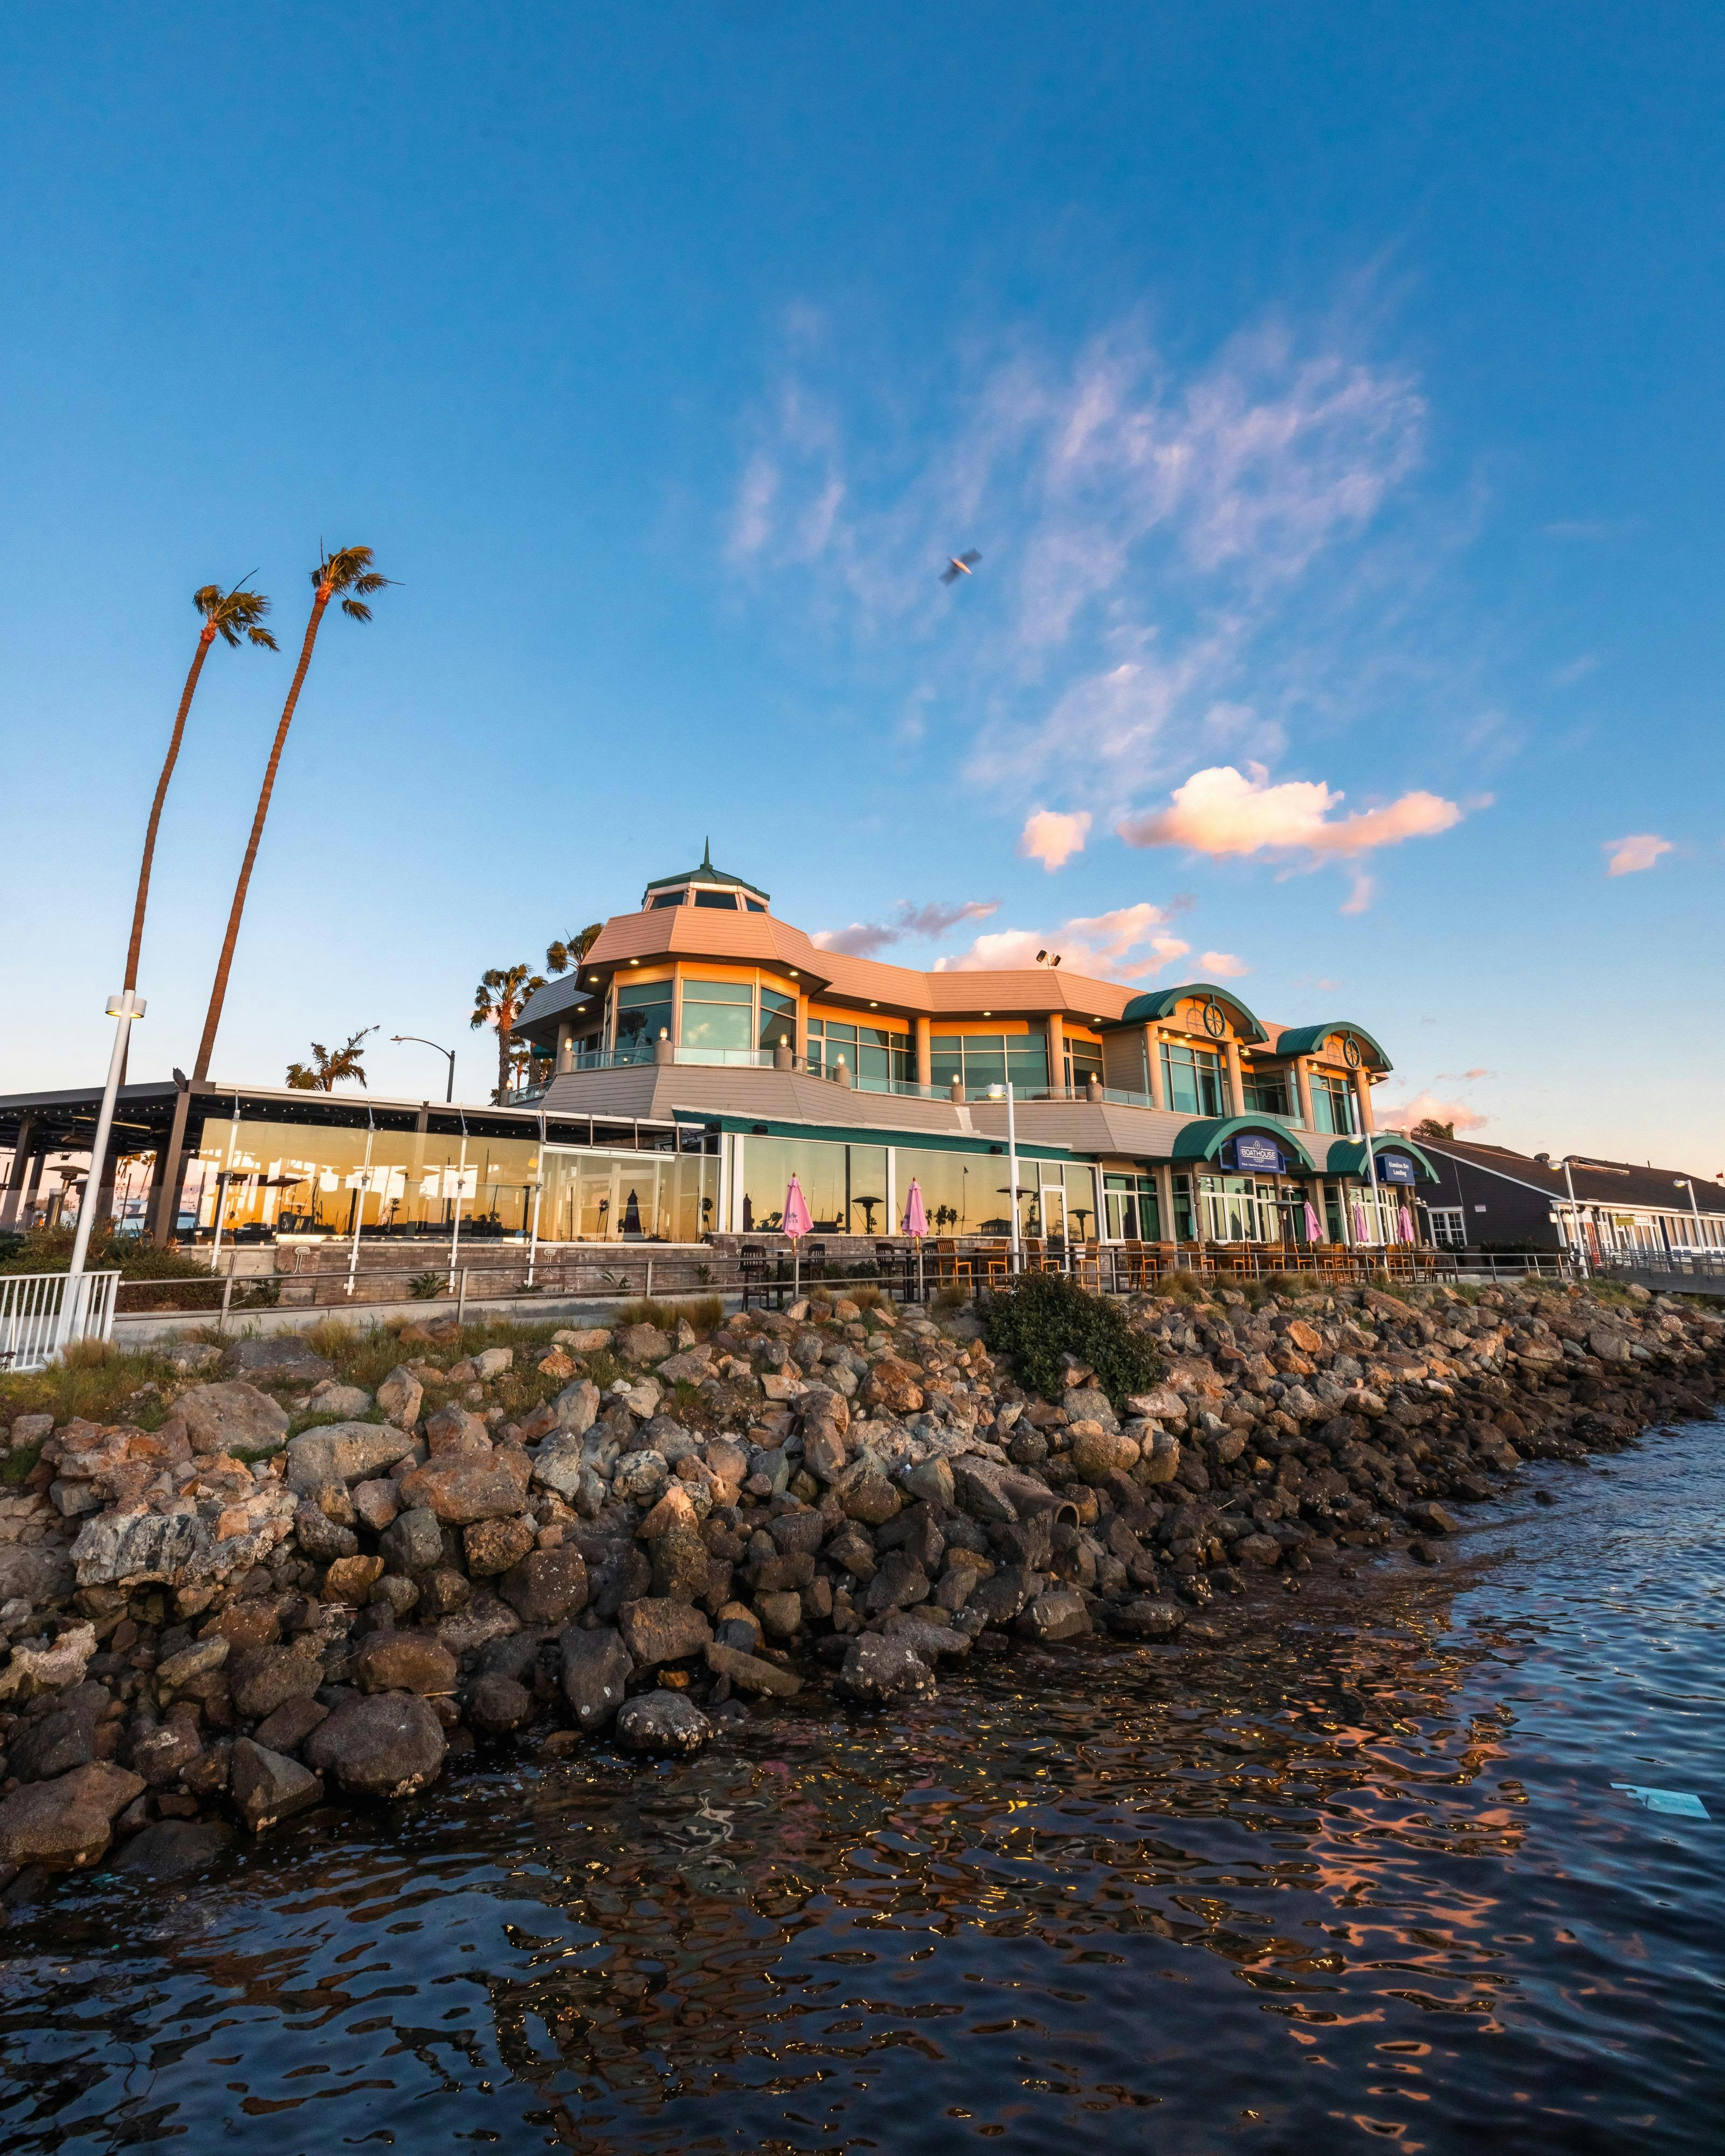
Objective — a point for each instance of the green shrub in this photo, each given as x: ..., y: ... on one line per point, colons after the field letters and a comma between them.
x: 425, y: 1287
x: 1041, y: 1316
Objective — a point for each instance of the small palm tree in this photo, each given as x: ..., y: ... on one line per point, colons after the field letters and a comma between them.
x: 349, y: 572
x: 562, y: 955
x: 229, y: 615
x: 327, y: 1068
x: 498, y: 1001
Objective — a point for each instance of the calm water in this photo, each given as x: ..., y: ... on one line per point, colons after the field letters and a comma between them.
x: 1356, y: 1873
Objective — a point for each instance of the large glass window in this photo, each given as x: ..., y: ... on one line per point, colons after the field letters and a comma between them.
x: 718, y: 1015
x: 878, y: 1058
x: 1332, y: 1105
x: 1132, y: 1212
x: 1084, y: 1061
x: 643, y: 1012
x: 778, y: 1018
x: 844, y: 1186
x: 964, y: 1193
x: 593, y: 1196
x: 1196, y: 1080
x: 982, y: 1059
x: 1266, y: 1092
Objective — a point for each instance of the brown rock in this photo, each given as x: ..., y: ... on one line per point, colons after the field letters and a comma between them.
x: 66, y: 1824
x: 389, y: 1745
x: 547, y: 1587
x: 466, y: 1488
x: 404, y: 1661
x: 452, y: 1429
x: 893, y: 1385
x: 267, y: 1786
x: 262, y: 1678
x: 493, y: 1545
x: 287, y: 1729
x: 1098, y: 1453
x: 351, y: 1578
x: 655, y: 1630
x: 749, y: 1673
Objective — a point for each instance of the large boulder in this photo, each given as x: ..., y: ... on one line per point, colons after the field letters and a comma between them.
x: 548, y: 1587
x: 344, y: 1452
x: 1148, y: 1617
x: 66, y: 1824
x: 266, y: 1786
x: 388, y: 1745
x: 452, y: 1428
x: 462, y: 1487
x: 233, y: 1418
x: 1098, y: 1453
x: 399, y: 1397
x: 62, y: 1739
x: 642, y: 1343
x: 280, y: 1358
x: 492, y: 1547
x: 656, y: 1630
x: 33, y: 1573
x: 262, y: 1678
x: 596, y: 1671
x: 877, y: 1669
x: 498, y: 1706
x: 1058, y: 1613
x: 664, y: 1722
x: 576, y: 1407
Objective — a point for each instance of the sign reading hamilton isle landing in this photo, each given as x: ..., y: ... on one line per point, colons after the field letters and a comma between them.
x: 1395, y: 1168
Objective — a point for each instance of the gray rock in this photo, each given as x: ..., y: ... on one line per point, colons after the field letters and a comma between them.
x: 576, y: 1407
x: 663, y: 1722
x: 331, y: 1399
x: 163, y: 1755
x: 497, y: 1706
x: 492, y: 1362
x: 1058, y: 1614
x: 877, y: 1669
x: 930, y: 1480
x: 452, y: 1428
x: 61, y: 1740
x: 292, y: 1722
x: 36, y: 1574
x: 547, y: 1588
x: 748, y: 1673
x: 642, y: 1343
x: 639, y: 1477
x: 232, y: 1418
x: 172, y: 1849
x: 656, y: 1630
x: 1147, y: 1617
x: 999, y: 1599
x: 1089, y: 1403
x: 344, y: 1452
x: 138, y: 1548
x: 413, y: 1542
x: 387, y: 1746
x: 399, y: 1397
x: 280, y: 1358
x: 196, y: 1661
x: 1431, y: 1519
x: 319, y: 1538
x: 485, y: 1618
x: 193, y: 1357
x: 65, y: 1825
x: 267, y: 1787
x: 262, y: 1678
x: 596, y: 1671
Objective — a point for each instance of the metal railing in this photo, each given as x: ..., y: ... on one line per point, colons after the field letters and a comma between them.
x: 38, y: 1319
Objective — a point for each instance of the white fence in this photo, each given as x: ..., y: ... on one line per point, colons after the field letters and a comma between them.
x: 35, y: 1319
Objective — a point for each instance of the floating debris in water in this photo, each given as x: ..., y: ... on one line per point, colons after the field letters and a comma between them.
x: 1678, y: 1802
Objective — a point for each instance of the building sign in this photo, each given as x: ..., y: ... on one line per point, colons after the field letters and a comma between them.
x: 1395, y: 1168
x: 1257, y: 1155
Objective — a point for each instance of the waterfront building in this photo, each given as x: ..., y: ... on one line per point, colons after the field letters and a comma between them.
x: 706, y: 1050
x: 1610, y: 1211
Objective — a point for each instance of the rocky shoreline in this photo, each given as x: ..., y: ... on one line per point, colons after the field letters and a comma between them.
x: 293, y: 1591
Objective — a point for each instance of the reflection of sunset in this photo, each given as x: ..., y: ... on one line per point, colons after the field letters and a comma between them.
x: 1075, y: 1889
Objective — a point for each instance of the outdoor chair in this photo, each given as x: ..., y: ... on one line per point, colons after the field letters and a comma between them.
x: 991, y: 1261
x: 952, y: 1266
x: 1087, y: 1265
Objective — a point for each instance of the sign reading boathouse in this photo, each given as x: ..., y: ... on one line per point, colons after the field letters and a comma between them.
x: 1255, y: 1155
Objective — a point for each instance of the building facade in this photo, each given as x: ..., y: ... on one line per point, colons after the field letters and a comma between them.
x: 1609, y: 1212
x: 705, y: 1051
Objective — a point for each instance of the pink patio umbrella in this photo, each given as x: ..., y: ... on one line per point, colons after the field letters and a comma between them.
x: 1404, y: 1225
x: 1314, y: 1226
x: 797, y: 1224
x: 915, y: 1222
x: 1359, y: 1222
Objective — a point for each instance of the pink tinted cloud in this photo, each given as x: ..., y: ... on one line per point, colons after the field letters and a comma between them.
x: 1126, y: 944
x: 1639, y: 850
x: 1052, y: 838
x: 1221, y: 966
x: 1402, y: 1115
x: 1221, y: 811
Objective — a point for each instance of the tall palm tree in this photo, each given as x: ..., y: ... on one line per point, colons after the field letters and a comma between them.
x: 348, y: 570
x: 328, y: 1067
x: 498, y: 1001
x: 229, y: 615
x: 569, y: 950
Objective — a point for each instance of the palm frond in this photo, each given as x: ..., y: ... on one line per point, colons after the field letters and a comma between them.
x: 356, y: 609
x: 263, y: 636
x: 206, y: 598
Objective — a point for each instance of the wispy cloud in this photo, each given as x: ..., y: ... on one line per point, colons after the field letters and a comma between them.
x: 1639, y: 850
x: 1578, y: 670
x: 907, y: 923
x: 1128, y: 944
x: 1147, y: 530
x: 1221, y: 966
x: 1402, y: 1115
x: 1052, y: 839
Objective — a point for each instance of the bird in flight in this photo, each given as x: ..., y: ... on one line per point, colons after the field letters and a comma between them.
x: 959, y: 565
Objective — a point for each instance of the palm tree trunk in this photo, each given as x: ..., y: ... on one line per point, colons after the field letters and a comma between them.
x: 218, y: 992
x: 204, y: 641
x: 504, y: 1031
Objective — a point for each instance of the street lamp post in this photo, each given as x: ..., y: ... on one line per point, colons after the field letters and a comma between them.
x: 1687, y: 1182
x: 995, y: 1093
x: 123, y: 1008
x: 1575, y: 1221
x: 449, y: 1090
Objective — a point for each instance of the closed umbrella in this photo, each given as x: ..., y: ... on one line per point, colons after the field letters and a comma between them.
x: 1404, y: 1225
x: 915, y: 1222
x: 796, y: 1223
x: 1359, y: 1222
x: 1314, y: 1226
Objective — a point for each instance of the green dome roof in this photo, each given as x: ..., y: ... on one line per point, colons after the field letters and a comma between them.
x: 706, y: 873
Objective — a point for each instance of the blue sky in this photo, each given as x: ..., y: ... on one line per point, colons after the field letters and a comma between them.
x: 1334, y: 395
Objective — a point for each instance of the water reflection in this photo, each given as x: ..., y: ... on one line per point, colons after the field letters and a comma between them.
x: 1354, y: 1870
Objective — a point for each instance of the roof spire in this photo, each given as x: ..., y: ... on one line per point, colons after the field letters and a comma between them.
x: 706, y: 855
